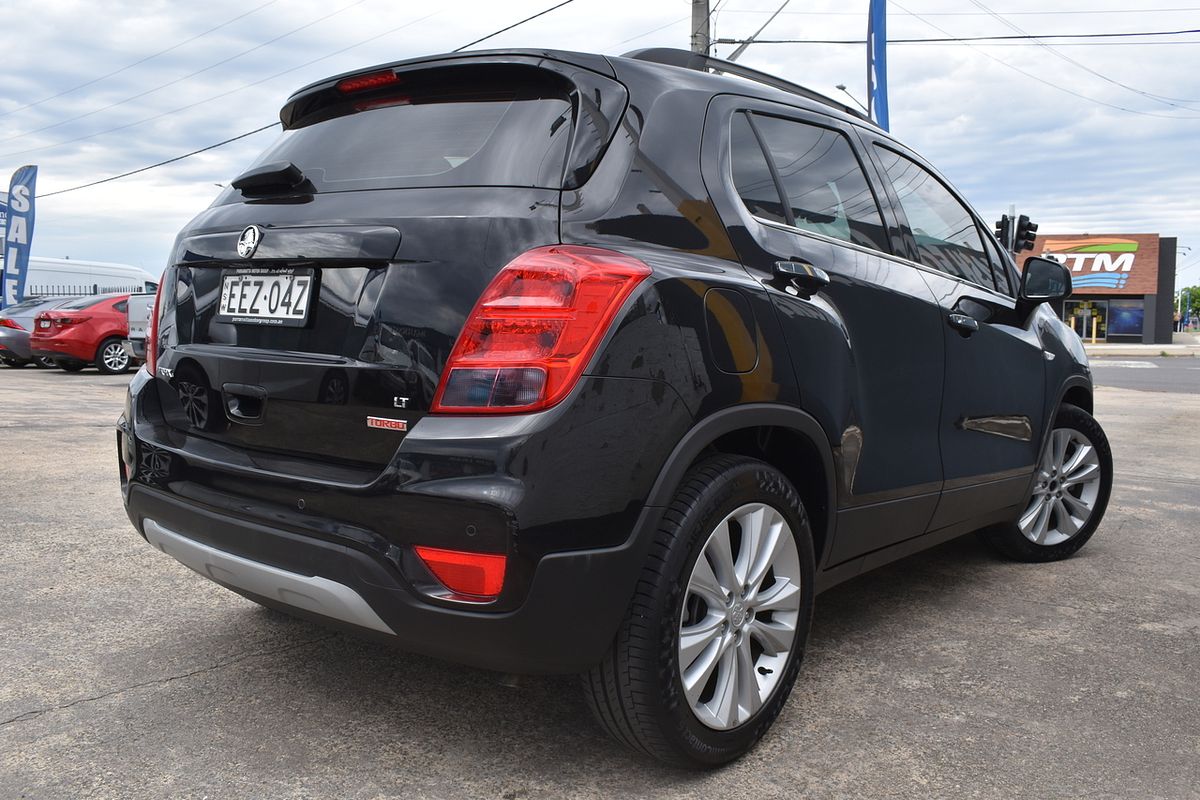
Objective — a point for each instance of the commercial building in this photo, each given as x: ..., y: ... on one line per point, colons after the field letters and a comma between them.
x: 1123, y: 284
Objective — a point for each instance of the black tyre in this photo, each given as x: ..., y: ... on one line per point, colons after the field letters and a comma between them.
x: 71, y: 366
x: 45, y: 362
x: 16, y: 363
x: 111, y: 358
x: 1070, y: 493
x: 700, y: 670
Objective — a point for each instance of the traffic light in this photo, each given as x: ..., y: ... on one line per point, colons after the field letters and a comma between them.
x: 1026, y: 233
x: 1004, y: 231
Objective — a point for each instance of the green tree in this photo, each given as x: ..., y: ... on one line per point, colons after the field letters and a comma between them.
x: 1181, y: 301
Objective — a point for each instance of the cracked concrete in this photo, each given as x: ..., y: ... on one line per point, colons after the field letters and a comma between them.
x: 950, y: 674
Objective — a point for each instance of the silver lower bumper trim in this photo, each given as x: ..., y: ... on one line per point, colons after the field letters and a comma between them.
x: 315, y: 594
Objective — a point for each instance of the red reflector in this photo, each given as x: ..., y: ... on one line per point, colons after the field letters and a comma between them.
x: 374, y: 80
x: 478, y: 574
x: 535, y: 328
x: 5, y: 322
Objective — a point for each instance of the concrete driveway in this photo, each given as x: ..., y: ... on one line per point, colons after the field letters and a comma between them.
x: 950, y: 674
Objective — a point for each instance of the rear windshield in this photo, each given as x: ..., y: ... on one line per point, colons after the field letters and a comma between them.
x: 446, y: 129
x: 26, y: 305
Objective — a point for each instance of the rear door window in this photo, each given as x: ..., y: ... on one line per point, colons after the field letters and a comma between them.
x: 945, y: 231
x: 825, y: 189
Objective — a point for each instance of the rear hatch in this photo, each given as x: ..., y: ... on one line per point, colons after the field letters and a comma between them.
x: 309, y: 313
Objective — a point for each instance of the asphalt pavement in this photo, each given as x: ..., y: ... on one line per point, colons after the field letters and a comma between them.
x: 1174, y: 374
x: 951, y: 674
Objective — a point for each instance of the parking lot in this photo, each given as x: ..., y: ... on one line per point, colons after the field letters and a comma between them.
x: 949, y: 674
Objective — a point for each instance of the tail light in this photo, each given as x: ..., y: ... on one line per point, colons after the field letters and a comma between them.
x: 475, y: 574
x: 535, y: 328
x: 152, y: 328
x: 5, y: 322
x: 65, y: 321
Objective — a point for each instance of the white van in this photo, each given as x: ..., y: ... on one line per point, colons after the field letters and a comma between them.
x: 63, y: 276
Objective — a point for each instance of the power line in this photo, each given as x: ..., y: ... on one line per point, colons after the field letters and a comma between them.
x: 976, y: 13
x: 273, y: 124
x: 185, y: 77
x: 219, y: 95
x: 1041, y: 80
x: 160, y: 163
x: 510, y: 27
x: 1084, y: 67
x: 955, y: 39
x: 133, y: 64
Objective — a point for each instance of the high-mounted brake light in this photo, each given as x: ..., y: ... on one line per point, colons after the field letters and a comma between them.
x: 475, y: 574
x: 374, y: 80
x: 535, y: 328
x: 152, y: 328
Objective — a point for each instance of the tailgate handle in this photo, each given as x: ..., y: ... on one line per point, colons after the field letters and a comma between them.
x: 244, y: 403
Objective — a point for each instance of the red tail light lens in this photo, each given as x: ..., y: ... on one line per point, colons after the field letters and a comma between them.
x: 533, y: 331
x: 475, y: 574
x: 65, y: 321
x: 152, y: 328
x: 374, y: 80
x: 5, y: 322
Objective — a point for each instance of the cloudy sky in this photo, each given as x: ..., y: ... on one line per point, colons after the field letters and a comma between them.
x: 1098, y: 138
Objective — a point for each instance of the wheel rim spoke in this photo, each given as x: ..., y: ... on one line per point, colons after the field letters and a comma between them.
x: 720, y: 556
x: 1042, y: 524
x: 774, y: 637
x: 782, y: 596
x: 695, y: 638
x: 1066, y: 523
x: 724, y: 703
x: 749, y: 697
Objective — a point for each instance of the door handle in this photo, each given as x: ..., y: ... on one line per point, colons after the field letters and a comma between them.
x: 807, y: 279
x: 965, y: 325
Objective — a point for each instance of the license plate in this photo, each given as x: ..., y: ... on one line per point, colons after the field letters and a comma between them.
x: 258, y: 296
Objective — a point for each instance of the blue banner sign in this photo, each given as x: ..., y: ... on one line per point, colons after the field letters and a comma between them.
x: 18, y: 234
x: 877, y: 95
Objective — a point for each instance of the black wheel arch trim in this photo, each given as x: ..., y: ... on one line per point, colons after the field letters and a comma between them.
x: 749, y: 415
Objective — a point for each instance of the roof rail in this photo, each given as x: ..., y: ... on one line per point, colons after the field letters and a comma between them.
x: 702, y: 63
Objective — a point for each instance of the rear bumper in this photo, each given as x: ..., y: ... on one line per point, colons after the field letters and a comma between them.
x: 14, y: 343
x: 565, y: 624
x: 63, y: 349
x: 304, y: 537
x: 135, y: 348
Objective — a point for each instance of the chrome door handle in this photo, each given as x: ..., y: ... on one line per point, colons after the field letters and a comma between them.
x: 807, y: 279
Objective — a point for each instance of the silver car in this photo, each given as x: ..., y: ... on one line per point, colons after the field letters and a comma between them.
x: 16, y: 322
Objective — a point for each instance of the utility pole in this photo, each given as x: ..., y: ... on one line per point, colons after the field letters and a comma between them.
x: 700, y: 36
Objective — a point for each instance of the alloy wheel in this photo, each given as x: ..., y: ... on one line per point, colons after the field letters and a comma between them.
x: 115, y: 358
x: 1065, y: 490
x: 740, y: 615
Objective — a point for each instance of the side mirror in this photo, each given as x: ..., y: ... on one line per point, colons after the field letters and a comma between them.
x: 1044, y: 281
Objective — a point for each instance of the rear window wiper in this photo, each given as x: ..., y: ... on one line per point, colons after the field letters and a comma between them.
x: 275, y: 178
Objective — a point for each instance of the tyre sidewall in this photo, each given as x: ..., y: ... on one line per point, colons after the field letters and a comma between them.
x: 748, y: 482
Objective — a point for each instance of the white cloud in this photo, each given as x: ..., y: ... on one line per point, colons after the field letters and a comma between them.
x: 999, y: 135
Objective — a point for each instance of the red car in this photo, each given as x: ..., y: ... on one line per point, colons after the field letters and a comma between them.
x: 85, y: 331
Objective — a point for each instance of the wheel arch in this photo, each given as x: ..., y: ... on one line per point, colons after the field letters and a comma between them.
x: 784, y: 436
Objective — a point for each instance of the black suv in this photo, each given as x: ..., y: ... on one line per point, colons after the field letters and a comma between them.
x: 552, y: 362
